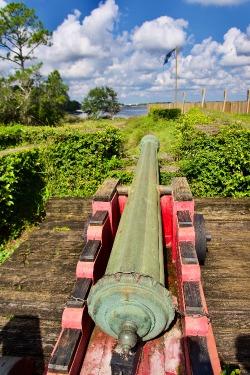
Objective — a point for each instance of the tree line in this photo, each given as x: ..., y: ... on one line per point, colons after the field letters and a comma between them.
x: 25, y: 95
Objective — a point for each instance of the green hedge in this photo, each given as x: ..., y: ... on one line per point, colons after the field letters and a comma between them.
x: 78, y: 163
x: 216, y: 165
x: 165, y: 113
x: 17, y: 135
x: 21, y: 191
x: 71, y: 164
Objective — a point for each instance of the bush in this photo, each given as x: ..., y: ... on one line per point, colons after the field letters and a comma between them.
x: 216, y: 165
x: 195, y: 116
x: 21, y: 188
x: 165, y: 113
x: 17, y: 135
x: 76, y: 164
x: 72, y: 164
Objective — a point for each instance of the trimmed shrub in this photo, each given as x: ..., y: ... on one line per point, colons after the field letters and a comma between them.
x: 71, y: 164
x: 165, y: 113
x: 216, y: 165
x: 21, y: 191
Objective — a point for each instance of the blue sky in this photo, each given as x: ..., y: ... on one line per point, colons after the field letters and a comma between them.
x: 121, y: 43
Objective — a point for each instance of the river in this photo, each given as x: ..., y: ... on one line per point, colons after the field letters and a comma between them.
x: 132, y: 110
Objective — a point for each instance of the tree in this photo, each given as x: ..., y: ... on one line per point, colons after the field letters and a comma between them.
x: 8, y: 102
x: 16, y: 95
x: 27, y: 98
x: 101, y: 101
x: 72, y: 106
x: 52, y: 99
x: 20, y: 33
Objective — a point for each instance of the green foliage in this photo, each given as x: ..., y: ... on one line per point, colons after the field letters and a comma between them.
x: 20, y: 33
x: 51, y: 99
x: 216, y: 165
x: 21, y: 186
x: 72, y: 106
x: 195, y: 116
x: 27, y: 98
x: 72, y: 164
x: 165, y: 113
x: 125, y: 177
x: 227, y: 370
x: 136, y: 128
x: 76, y: 164
x: 17, y: 135
x: 101, y: 101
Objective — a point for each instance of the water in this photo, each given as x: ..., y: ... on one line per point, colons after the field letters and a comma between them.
x: 132, y: 110
x: 127, y: 111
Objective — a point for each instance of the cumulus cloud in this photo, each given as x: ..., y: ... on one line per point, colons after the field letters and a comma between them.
x: 2, y: 3
x: 160, y: 34
x: 217, y: 2
x: 236, y: 48
x: 90, y: 38
x: 212, y: 65
x: 90, y: 52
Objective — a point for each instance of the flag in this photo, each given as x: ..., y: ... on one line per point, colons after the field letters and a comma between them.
x: 168, y: 55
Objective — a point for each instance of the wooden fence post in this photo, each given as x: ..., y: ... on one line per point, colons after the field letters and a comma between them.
x: 225, y: 98
x: 203, y: 97
x: 183, y: 101
x: 248, y: 100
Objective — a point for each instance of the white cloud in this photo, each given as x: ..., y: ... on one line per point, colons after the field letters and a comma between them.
x: 162, y: 33
x: 2, y: 3
x: 90, y: 39
x: 89, y: 52
x: 217, y: 2
x: 236, y: 48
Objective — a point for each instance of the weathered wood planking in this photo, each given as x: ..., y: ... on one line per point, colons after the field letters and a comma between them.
x: 226, y: 276
x: 37, y: 280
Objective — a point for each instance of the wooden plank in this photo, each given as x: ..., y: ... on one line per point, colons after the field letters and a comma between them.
x: 239, y: 320
x: 231, y: 288
x: 125, y: 365
x: 184, y: 219
x: 233, y: 348
x: 80, y: 292
x: 98, y: 218
x: 181, y: 190
x: 188, y: 253
x: 199, y: 356
x: 33, y: 301
x: 192, y: 297
x: 90, y: 251
x: 107, y: 190
x: 65, y: 351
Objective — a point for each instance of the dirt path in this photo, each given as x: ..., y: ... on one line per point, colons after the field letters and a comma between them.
x: 16, y: 149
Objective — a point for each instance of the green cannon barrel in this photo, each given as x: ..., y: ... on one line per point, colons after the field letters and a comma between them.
x: 130, y: 302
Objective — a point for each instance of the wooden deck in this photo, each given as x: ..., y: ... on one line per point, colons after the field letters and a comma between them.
x: 226, y: 276
x: 36, y: 281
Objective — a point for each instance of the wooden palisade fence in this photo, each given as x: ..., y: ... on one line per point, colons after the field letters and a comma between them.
x: 223, y: 106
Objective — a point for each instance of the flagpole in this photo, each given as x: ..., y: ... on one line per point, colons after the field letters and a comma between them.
x: 176, y: 76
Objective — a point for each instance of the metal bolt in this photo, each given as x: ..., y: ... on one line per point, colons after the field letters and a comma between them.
x: 208, y: 237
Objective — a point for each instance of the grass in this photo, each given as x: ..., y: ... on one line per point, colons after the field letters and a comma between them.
x: 133, y: 129
x: 222, y: 118
x: 136, y: 127
x: 8, y: 248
